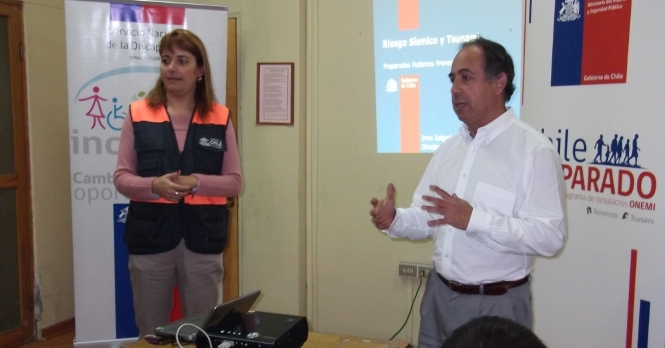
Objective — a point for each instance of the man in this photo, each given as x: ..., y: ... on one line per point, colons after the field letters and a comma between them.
x: 491, y: 198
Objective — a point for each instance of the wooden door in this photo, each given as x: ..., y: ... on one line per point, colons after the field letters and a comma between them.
x: 16, y: 265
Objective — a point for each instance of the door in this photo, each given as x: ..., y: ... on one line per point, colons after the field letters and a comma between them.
x: 231, y: 254
x: 16, y: 266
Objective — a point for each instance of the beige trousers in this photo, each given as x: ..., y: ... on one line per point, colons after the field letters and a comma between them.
x: 153, y: 277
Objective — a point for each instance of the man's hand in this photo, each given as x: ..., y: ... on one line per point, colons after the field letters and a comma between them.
x: 456, y: 212
x: 383, y: 211
x: 166, y: 187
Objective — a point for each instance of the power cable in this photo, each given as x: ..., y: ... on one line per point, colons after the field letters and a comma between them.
x: 410, y: 309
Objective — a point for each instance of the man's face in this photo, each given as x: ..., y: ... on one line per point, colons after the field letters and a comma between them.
x: 475, y: 98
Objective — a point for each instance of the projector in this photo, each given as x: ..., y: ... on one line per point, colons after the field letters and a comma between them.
x: 256, y: 330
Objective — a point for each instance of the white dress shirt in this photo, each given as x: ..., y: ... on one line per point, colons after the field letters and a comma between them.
x: 512, y: 177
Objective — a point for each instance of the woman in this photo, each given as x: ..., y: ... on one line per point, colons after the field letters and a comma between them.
x: 177, y: 163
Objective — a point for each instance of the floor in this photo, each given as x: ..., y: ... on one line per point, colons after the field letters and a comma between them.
x: 63, y: 341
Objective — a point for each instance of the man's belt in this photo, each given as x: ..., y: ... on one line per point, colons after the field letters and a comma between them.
x: 498, y: 288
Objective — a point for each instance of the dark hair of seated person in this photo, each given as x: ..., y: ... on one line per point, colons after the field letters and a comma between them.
x: 492, y: 332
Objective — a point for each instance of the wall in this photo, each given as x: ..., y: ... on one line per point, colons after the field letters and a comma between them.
x: 44, y: 24
x: 354, y: 267
x: 272, y: 204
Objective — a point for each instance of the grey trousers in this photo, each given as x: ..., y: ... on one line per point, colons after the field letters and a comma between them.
x: 153, y: 277
x: 443, y: 310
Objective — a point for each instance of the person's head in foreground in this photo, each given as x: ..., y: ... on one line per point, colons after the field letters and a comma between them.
x: 492, y: 332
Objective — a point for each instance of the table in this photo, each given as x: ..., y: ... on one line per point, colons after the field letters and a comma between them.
x: 317, y: 340
x: 321, y: 340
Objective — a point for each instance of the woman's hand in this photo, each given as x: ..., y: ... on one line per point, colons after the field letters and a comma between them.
x: 168, y: 186
x: 187, y: 180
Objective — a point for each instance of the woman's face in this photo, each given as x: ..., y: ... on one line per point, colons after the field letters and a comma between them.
x: 179, y: 72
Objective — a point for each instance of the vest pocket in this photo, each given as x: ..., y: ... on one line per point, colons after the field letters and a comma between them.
x: 149, y: 147
x: 147, y: 229
x: 208, y: 228
x: 210, y: 144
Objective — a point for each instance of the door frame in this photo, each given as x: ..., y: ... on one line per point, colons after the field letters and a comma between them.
x: 20, y: 179
x: 231, y: 287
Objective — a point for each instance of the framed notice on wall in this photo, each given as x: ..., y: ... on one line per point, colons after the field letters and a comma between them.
x: 274, y: 93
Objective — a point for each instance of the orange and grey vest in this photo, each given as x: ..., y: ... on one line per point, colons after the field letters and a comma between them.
x: 159, y: 225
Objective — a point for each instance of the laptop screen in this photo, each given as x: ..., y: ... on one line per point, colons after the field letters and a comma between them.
x: 206, y: 320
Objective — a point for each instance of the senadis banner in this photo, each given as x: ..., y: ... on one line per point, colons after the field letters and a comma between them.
x: 113, y: 60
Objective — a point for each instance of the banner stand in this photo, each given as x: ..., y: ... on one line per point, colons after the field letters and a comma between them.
x: 113, y: 60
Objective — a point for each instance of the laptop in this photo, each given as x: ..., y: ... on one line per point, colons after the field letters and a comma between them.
x: 205, y: 320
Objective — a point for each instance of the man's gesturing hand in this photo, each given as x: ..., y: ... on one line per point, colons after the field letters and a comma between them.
x: 456, y: 212
x: 383, y: 211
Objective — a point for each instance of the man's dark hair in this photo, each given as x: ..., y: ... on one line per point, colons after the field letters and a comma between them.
x: 497, y: 60
x: 492, y: 332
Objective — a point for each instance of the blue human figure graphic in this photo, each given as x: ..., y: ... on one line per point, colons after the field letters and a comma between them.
x: 97, y: 117
x: 599, y: 150
x: 613, y: 149
x: 617, y: 159
x: 626, y: 150
x: 116, y: 116
x: 635, y: 149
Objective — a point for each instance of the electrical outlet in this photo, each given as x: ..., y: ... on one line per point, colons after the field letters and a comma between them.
x: 414, y: 269
x: 408, y: 269
x: 423, y: 270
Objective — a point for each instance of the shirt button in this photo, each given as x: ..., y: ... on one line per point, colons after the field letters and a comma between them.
x: 464, y: 176
x: 446, y: 255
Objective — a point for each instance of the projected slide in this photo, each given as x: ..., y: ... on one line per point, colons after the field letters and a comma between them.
x: 415, y: 42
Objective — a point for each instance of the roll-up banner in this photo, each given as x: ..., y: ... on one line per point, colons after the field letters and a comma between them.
x: 592, y: 84
x: 113, y: 60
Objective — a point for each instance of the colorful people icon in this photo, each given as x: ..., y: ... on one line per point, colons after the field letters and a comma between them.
x: 97, y: 114
x: 110, y: 120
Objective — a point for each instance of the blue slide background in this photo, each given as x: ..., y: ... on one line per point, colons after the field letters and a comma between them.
x: 497, y: 20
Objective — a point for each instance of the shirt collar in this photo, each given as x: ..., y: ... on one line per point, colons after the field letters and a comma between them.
x: 490, y: 131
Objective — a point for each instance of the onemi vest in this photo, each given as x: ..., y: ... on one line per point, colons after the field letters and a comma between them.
x: 158, y: 225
